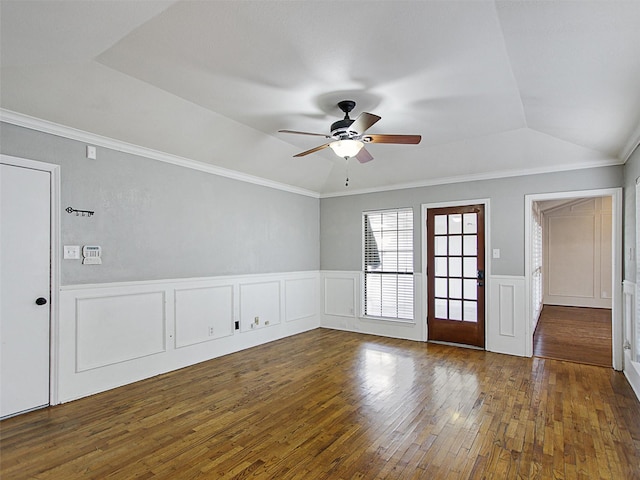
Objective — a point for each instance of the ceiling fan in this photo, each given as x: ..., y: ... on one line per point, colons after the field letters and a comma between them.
x: 348, y: 136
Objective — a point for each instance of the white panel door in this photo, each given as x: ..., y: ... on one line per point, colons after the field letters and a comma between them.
x: 25, y: 216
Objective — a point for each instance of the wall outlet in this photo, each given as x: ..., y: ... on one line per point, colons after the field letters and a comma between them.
x: 210, y: 331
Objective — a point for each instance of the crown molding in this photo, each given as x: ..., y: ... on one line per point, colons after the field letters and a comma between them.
x: 45, y: 126
x: 479, y: 177
x: 71, y: 133
x: 632, y: 144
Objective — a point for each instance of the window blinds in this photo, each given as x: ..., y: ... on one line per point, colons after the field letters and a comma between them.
x: 388, y: 263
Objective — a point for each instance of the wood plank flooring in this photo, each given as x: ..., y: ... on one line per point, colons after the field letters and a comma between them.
x: 337, y: 405
x: 574, y: 334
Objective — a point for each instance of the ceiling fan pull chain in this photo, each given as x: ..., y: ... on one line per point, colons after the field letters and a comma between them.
x: 346, y: 183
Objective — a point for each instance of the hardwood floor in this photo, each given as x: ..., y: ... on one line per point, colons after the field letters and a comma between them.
x: 575, y: 334
x: 336, y: 405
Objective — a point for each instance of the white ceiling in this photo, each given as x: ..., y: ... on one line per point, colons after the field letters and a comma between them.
x: 494, y: 87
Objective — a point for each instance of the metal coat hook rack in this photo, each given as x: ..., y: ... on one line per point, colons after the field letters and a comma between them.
x: 78, y: 213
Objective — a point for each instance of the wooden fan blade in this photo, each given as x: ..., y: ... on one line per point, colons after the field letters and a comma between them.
x: 313, y: 150
x: 305, y: 133
x: 363, y: 122
x: 384, y: 138
x: 364, y: 156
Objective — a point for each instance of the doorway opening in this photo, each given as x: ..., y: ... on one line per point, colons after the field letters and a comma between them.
x: 573, y: 268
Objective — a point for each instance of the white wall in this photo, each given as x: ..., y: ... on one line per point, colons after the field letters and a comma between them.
x: 577, y: 254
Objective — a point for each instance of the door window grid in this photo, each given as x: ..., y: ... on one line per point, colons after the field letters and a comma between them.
x: 456, y: 266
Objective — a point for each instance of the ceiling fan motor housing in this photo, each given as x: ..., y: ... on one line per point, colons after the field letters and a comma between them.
x: 340, y: 128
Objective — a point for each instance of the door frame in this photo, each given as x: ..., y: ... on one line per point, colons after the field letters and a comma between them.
x: 424, y: 294
x: 54, y: 280
x: 616, y: 266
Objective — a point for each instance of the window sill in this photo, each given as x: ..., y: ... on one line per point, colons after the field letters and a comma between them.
x: 389, y: 319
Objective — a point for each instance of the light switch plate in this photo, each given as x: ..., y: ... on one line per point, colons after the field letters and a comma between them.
x: 72, y: 252
x: 496, y: 253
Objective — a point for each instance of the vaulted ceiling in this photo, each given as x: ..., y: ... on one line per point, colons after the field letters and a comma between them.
x: 495, y: 88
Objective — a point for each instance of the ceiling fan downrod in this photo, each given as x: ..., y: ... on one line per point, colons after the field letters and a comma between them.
x: 346, y: 106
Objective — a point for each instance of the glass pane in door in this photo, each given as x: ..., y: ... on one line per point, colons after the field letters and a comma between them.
x: 455, y: 266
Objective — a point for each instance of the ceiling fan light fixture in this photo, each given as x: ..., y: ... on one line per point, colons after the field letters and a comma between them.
x: 346, y: 148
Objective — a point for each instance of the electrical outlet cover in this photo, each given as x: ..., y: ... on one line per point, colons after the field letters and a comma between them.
x: 72, y: 252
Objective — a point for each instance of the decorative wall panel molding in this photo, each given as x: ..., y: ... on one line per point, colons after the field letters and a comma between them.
x: 506, y: 322
x: 116, y: 328
x: 203, y: 314
x: 629, y: 303
x: 259, y: 305
x: 340, y: 295
x: 301, y: 298
x: 507, y: 310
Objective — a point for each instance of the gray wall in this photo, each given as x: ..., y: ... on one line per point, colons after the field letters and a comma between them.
x: 631, y: 172
x: 156, y: 221
x: 340, y: 217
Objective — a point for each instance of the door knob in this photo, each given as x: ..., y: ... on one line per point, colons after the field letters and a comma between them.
x: 41, y: 301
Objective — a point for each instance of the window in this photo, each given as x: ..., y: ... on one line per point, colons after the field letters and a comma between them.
x: 388, y: 263
x: 536, y: 263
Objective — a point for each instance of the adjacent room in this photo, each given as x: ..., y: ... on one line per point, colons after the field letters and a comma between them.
x: 573, y: 272
x: 319, y: 240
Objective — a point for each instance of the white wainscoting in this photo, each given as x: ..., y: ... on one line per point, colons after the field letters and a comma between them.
x: 342, y: 308
x: 629, y: 315
x: 507, y: 315
x: 113, y: 334
x: 629, y: 312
